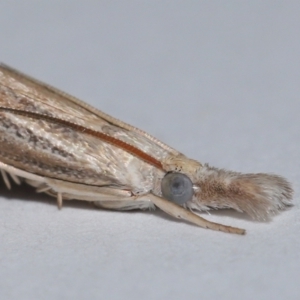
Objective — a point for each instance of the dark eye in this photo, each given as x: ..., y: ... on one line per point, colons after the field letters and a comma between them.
x: 177, y: 188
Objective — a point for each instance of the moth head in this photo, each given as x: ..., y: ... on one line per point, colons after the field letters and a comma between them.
x: 179, y: 183
x: 201, y: 187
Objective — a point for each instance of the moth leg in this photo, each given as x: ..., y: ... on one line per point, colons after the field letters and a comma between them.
x: 126, y: 204
x: 5, y: 179
x: 59, y: 200
x: 15, y: 178
x: 181, y: 213
x: 43, y: 188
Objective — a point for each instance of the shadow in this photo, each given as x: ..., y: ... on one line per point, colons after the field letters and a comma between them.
x: 220, y: 213
x: 25, y: 192
x: 207, y: 215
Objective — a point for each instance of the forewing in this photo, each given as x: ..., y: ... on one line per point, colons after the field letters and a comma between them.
x: 25, y: 93
x: 50, y: 149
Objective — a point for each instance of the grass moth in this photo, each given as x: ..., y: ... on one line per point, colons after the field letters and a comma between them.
x: 71, y: 150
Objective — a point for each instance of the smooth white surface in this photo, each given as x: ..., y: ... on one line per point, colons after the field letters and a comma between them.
x: 220, y: 81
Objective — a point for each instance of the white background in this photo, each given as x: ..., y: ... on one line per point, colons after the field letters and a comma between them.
x: 219, y: 81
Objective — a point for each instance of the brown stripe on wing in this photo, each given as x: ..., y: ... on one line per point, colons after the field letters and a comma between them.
x: 102, y: 136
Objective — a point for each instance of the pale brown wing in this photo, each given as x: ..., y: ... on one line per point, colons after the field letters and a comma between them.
x: 50, y: 149
x: 30, y: 94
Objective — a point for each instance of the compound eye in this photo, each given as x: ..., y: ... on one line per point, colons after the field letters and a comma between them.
x: 177, y: 188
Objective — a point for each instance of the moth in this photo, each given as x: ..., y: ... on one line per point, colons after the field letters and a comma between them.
x: 71, y: 150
